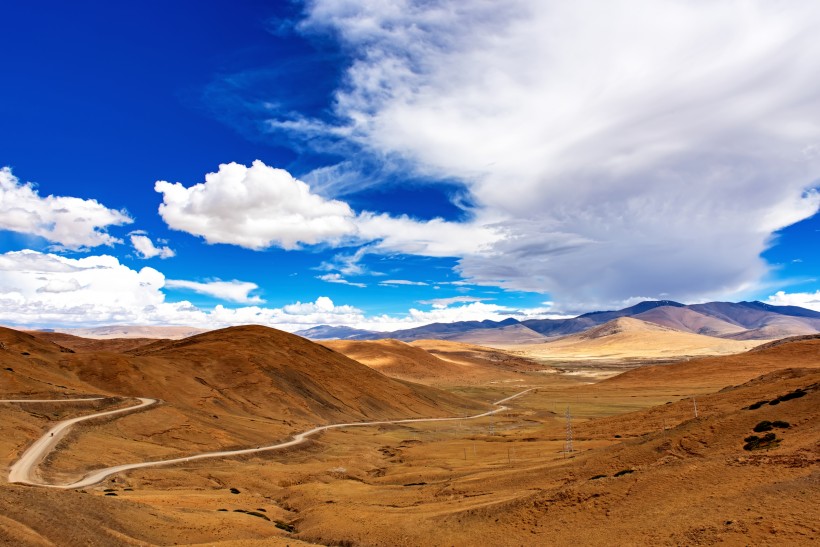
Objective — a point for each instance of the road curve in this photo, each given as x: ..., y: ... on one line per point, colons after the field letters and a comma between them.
x: 23, y: 474
x: 23, y: 469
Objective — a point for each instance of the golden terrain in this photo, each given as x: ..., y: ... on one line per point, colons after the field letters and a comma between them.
x: 643, y: 470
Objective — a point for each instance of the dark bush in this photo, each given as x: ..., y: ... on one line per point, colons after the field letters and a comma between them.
x: 234, y: 490
x: 781, y: 425
x: 796, y: 394
x: 765, y: 425
x: 285, y: 526
x: 623, y: 472
x: 222, y: 510
x: 755, y: 406
x: 753, y: 442
x: 596, y: 477
x: 775, y: 402
x: 617, y: 436
x: 256, y: 514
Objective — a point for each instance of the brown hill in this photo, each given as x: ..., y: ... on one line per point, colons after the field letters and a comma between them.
x: 85, y: 345
x: 686, y: 320
x: 398, y: 360
x: 134, y: 331
x: 803, y: 352
x: 435, y: 362
x: 627, y: 337
x: 230, y: 388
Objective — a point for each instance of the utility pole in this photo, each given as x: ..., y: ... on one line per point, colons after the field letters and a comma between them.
x: 568, y: 445
x: 695, y: 406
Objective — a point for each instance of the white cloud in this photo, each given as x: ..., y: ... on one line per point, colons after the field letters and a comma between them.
x: 439, y: 303
x: 337, y: 278
x: 146, y: 248
x: 233, y: 291
x: 47, y: 290
x: 622, y: 148
x: 259, y: 207
x: 71, y: 222
x: 402, y: 282
x: 802, y: 299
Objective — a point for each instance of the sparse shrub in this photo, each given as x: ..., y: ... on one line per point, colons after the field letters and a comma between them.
x: 284, y: 526
x: 623, y: 472
x: 765, y: 425
x: 596, y: 477
x: 256, y: 514
x: 234, y: 490
x: 753, y: 442
x: 617, y: 436
x: 111, y: 494
x: 222, y: 510
x: 796, y: 394
x: 781, y: 425
x: 9, y: 369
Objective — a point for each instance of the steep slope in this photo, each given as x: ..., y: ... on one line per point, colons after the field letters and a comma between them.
x: 257, y: 368
x: 686, y: 320
x: 627, y: 337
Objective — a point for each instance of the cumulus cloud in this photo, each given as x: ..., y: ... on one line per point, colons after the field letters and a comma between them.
x: 803, y: 299
x: 337, y: 278
x: 70, y: 222
x: 146, y: 248
x: 259, y: 207
x: 47, y: 290
x: 621, y: 148
x: 233, y: 291
x: 254, y: 207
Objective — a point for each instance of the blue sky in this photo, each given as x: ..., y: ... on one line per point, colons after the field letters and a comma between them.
x: 416, y: 161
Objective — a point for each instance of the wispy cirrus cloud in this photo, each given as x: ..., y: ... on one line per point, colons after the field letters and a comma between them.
x: 337, y: 278
x: 232, y: 291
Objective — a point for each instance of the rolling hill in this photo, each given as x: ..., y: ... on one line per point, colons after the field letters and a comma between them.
x: 628, y: 337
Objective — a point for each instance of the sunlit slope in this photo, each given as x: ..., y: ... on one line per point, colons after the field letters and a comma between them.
x: 628, y: 337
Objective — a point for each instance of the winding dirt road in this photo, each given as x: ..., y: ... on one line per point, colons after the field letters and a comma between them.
x: 23, y: 470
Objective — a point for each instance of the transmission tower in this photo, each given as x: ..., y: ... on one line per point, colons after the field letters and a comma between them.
x: 568, y: 445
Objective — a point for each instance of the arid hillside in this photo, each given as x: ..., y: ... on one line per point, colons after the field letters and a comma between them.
x: 627, y: 337
x: 435, y: 362
x: 801, y: 352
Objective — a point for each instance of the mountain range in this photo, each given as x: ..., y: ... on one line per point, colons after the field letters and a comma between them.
x: 731, y: 320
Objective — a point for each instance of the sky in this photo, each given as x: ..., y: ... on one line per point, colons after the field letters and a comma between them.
x: 386, y: 164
